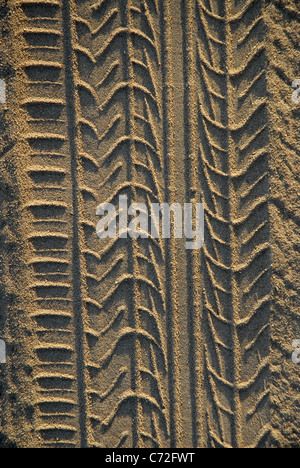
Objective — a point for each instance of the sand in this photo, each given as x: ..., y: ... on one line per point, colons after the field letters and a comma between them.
x: 140, y: 343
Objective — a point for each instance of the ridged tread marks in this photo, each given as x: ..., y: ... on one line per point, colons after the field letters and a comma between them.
x: 129, y: 370
x: 231, y: 155
x: 282, y: 21
x: 100, y: 308
x: 16, y: 386
x: 59, y: 139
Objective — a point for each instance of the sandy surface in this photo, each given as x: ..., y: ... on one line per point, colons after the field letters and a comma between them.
x: 142, y: 343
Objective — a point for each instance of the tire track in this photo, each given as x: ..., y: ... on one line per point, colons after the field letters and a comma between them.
x: 54, y: 132
x: 132, y: 342
x: 132, y: 360
x: 232, y: 162
x: 17, y: 387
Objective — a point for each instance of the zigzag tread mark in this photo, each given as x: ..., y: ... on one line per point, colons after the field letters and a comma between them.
x: 225, y: 118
